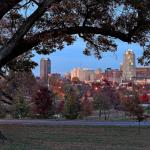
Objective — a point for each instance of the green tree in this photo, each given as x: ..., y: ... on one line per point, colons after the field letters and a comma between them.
x: 21, y: 107
x: 71, y: 106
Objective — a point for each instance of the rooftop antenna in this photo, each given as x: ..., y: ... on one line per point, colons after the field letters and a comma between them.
x: 129, y: 49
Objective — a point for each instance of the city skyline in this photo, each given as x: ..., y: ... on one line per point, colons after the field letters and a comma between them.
x: 71, y: 57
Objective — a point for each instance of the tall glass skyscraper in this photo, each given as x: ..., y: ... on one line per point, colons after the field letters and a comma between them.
x: 129, y: 67
x: 45, y: 69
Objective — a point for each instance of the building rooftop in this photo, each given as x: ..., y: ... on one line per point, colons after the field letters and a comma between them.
x: 45, y: 59
x: 129, y: 51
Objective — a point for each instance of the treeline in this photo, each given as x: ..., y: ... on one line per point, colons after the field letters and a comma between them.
x: 29, y: 98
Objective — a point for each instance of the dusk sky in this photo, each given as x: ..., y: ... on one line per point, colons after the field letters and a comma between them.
x: 72, y: 56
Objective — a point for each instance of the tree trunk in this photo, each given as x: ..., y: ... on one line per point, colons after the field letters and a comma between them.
x: 100, y: 113
x: 108, y: 112
x: 2, y: 137
x: 105, y: 115
x: 139, y: 128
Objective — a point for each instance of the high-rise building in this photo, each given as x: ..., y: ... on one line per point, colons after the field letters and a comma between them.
x: 45, y: 69
x: 129, y: 67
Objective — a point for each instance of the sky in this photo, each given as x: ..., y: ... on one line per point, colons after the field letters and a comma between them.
x: 72, y: 56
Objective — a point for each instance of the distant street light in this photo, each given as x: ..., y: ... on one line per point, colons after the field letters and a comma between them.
x: 96, y: 88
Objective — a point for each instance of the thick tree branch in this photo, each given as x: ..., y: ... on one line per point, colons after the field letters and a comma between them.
x: 86, y: 30
x: 6, y: 102
x: 27, y: 44
x: 9, y: 47
x: 6, y: 5
x: 37, y: 3
x: 5, y: 98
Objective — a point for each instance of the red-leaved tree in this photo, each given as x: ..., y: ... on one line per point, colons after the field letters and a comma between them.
x: 43, y: 102
x: 144, y: 98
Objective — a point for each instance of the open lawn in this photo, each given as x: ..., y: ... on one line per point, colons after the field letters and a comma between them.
x: 74, y: 138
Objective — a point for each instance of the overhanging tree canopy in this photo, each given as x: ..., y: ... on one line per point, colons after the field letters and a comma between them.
x: 46, y: 25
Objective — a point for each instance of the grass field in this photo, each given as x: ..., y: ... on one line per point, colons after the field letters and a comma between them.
x: 74, y: 138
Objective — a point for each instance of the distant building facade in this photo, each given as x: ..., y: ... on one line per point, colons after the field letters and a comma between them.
x: 98, y: 75
x: 45, y: 69
x: 67, y: 76
x: 83, y: 74
x: 143, y: 73
x: 113, y: 75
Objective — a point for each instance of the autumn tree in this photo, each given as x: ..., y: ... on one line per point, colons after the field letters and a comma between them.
x: 47, y: 25
x: 144, y: 98
x: 17, y: 90
x: 86, y: 107
x: 17, y: 75
x: 103, y: 105
x: 75, y: 80
x: 42, y: 101
x: 56, y: 85
x: 60, y: 107
x: 134, y: 109
x: 105, y: 99
x: 23, y: 81
x: 71, y: 105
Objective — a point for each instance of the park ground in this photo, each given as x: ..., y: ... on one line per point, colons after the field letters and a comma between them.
x: 25, y: 137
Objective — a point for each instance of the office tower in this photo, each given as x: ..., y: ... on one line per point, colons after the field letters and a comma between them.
x: 129, y: 68
x: 45, y: 69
